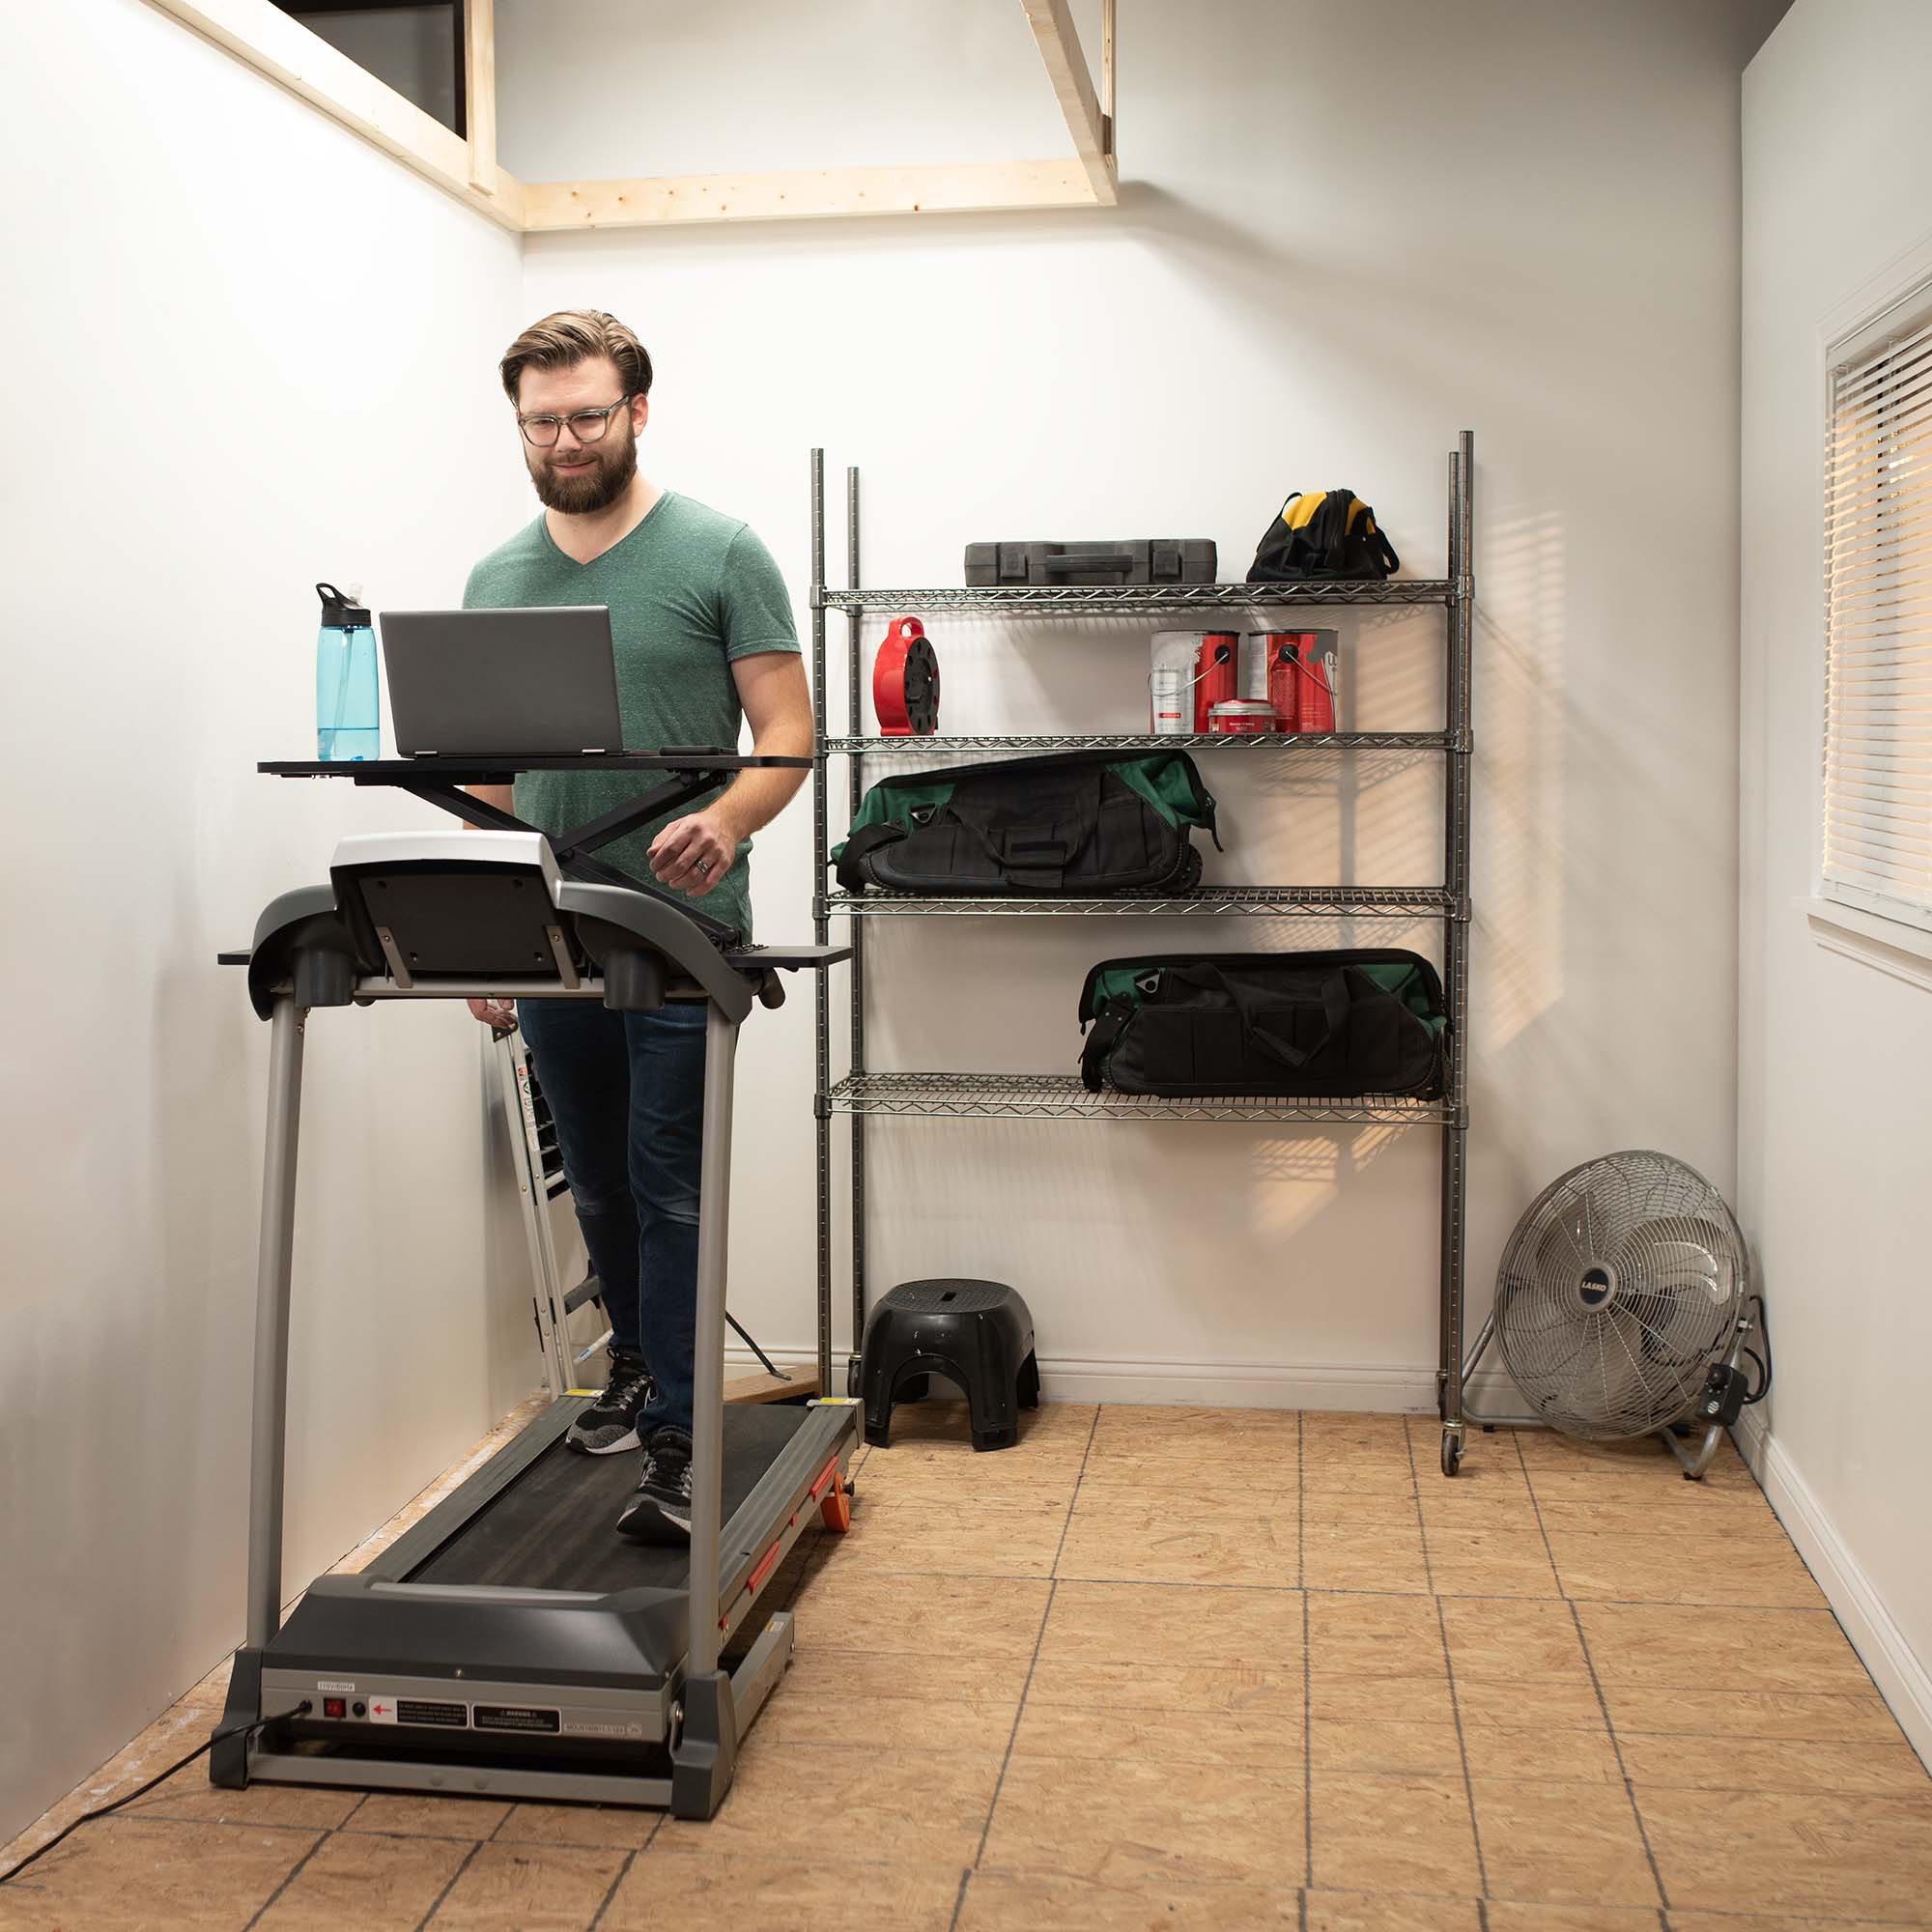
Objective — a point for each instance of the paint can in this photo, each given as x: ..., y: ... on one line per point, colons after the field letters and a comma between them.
x: 1215, y: 674
x: 1283, y: 662
x: 1167, y: 685
x: 1319, y: 683
x: 1270, y: 661
x: 1256, y: 655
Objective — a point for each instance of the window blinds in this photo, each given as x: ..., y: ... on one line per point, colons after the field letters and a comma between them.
x: 1876, y: 845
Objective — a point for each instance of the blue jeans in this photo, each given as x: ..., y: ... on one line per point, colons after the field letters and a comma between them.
x: 627, y: 1094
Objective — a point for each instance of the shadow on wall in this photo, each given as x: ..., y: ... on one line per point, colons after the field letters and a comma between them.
x: 207, y: 1147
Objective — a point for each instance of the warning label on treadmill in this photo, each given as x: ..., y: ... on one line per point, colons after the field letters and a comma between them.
x: 584, y: 1727
x: 515, y: 1717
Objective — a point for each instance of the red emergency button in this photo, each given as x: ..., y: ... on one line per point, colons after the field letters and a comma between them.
x: 333, y: 1707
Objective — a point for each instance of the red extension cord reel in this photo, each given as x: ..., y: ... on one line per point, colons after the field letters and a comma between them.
x: 905, y: 681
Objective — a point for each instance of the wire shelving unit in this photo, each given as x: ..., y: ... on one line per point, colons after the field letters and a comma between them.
x: 865, y: 1093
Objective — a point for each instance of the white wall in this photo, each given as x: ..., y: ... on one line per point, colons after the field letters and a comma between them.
x: 1832, y: 1135
x: 240, y: 351
x: 1342, y: 237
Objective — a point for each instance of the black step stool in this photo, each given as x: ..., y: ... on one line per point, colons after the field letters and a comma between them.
x: 976, y: 1333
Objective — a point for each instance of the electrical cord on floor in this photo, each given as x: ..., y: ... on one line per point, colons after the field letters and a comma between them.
x: 141, y: 1791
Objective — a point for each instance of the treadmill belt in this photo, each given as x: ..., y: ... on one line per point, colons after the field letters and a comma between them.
x: 554, y: 1529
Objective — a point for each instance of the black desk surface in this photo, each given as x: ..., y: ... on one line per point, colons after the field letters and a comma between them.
x: 385, y: 771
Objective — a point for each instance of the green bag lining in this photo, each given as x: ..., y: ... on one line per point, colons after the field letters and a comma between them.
x: 1405, y: 982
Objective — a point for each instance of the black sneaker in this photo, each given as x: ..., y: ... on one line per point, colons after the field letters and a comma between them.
x: 660, y: 1511
x: 611, y: 1422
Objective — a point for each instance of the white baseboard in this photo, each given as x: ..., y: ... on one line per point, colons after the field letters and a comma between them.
x: 1901, y: 1676
x: 1380, y: 1386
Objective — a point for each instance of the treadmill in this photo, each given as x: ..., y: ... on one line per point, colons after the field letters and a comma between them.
x: 512, y: 1643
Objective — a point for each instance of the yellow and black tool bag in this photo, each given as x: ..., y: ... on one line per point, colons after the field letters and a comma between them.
x: 1080, y: 824
x: 1338, y: 1026
x: 1324, y: 533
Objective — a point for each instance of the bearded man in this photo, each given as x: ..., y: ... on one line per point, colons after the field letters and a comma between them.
x: 701, y: 628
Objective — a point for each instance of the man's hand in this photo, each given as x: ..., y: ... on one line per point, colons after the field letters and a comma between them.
x: 695, y: 852
x: 499, y: 1015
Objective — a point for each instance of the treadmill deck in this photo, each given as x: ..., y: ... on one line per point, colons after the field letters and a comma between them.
x: 552, y: 1528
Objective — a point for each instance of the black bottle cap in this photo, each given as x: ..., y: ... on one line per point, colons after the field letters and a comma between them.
x: 338, y: 611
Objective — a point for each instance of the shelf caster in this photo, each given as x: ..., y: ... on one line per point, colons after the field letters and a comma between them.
x: 1451, y: 1450
x: 854, y: 1377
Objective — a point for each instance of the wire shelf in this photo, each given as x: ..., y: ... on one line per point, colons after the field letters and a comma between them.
x: 1074, y: 600
x: 1202, y: 902
x: 1190, y: 741
x: 1061, y: 1097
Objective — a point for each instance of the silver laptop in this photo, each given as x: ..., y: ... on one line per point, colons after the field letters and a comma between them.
x: 502, y: 683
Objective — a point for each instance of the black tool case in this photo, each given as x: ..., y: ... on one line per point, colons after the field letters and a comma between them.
x: 1336, y: 1025
x: 1138, y: 560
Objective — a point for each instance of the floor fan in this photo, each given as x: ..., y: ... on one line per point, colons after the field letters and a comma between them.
x: 1624, y: 1306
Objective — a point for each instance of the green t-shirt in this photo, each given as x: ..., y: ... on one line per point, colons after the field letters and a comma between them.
x: 688, y: 590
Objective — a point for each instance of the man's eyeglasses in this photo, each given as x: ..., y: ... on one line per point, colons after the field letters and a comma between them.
x: 585, y: 425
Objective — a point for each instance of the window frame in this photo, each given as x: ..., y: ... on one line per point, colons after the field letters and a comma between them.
x: 1856, y: 922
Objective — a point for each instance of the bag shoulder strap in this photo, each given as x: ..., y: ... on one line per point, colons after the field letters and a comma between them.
x: 858, y: 846
x: 1100, y: 1039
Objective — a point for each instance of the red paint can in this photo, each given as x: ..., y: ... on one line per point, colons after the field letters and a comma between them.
x: 1275, y: 658
x: 1215, y: 672
x: 1319, y: 682
x: 1302, y: 678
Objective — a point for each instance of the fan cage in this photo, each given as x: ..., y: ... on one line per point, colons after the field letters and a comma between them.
x: 1620, y: 1286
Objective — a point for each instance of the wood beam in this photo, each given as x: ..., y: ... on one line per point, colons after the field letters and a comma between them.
x: 261, y: 34
x: 1059, y: 45
x: 268, y: 40
x: 1107, y: 76
x: 479, y: 91
x: 661, y: 201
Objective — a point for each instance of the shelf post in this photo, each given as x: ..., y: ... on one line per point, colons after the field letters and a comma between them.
x: 1456, y: 942
x: 821, y: 925
x: 855, y: 785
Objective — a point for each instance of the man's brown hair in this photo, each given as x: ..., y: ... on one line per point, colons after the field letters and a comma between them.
x: 574, y: 335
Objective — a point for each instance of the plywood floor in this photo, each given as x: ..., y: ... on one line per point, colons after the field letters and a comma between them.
x: 1159, y: 1668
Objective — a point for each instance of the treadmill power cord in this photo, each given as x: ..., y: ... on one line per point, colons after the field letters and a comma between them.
x: 772, y: 1369
x: 140, y: 1791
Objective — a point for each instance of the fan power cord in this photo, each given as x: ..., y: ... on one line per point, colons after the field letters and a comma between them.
x: 1727, y: 1391
x: 1763, y: 1367
x: 140, y: 1791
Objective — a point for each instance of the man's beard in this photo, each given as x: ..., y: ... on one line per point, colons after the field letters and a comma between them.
x: 588, y: 490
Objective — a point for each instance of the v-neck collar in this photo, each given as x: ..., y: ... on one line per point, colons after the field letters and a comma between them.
x: 562, y: 555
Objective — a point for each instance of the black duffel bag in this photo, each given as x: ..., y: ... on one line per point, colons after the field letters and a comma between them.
x: 1291, y: 1025
x: 1080, y: 824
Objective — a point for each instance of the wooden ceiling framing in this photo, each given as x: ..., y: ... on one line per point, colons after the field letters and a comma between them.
x: 259, y: 33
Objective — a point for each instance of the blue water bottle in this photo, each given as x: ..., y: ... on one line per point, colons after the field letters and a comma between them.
x: 348, y: 699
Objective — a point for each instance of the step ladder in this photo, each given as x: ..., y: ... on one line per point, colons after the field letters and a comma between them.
x: 538, y: 1166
